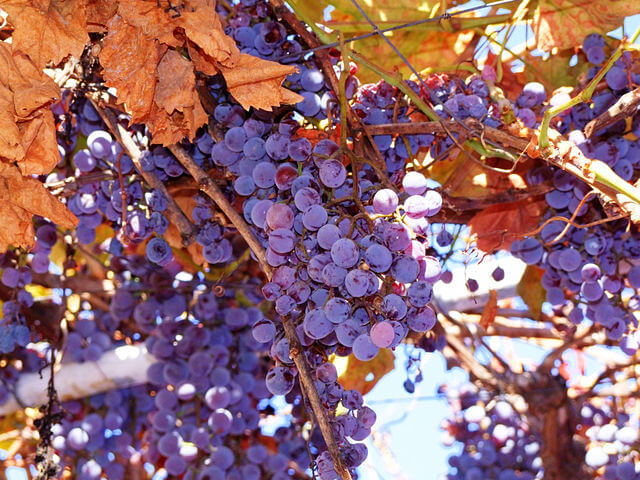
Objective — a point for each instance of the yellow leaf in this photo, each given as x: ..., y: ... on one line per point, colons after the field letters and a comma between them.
x: 531, y: 290
x: 564, y: 23
x: 353, y: 373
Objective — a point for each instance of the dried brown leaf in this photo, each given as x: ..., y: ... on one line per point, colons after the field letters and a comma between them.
x: 490, y: 309
x: 38, y: 137
x: 176, y: 83
x: 565, y: 23
x: 99, y: 12
x: 47, y: 30
x: 130, y: 60
x: 151, y: 18
x: 498, y: 226
x: 202, y: 26
x: 27, y: 128
x: 257, y: 83
x: 20, y: 199
x: 10, y: 146
x: 201, y: 61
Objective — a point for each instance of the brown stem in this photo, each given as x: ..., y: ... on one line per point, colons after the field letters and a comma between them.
x: 625, y: 107
x: 187, y: 229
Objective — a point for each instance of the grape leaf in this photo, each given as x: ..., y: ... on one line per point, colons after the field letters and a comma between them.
x: 564, y: 23
x: 99, y: 12
x: 129, y: 59
x: 176, y: 83
x: 257, y: 83
x: 498, y: 226
x: 20, y: 199
x: 47, y: 30
x: 28, y: 130
x: 531, y: 290
x: 353, y: 373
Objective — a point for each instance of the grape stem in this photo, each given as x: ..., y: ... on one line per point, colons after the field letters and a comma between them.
x: 187, y: 229
x: 625, y: 107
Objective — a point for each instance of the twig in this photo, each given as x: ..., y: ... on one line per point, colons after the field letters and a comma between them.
x: 187, y: 229
x: 625, y: 107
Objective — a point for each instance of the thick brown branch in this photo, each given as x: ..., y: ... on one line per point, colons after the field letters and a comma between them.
x: 187, y: 229
x: 624, y: 108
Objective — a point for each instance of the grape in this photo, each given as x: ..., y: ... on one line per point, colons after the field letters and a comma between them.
x: 299, y: 149
x: 414, y: 183
x: 385, y: 201
x: 332, y: 173
x: 363, y: 348
x: 382, y: 334
x: 235, y: 139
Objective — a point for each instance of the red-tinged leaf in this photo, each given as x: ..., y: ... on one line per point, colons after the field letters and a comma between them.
x: 47, y: 30
x: 490, y: 309
x: 498, y: 226
x: 564, y: 23
x: 531, y: 291
x: 354, y: 374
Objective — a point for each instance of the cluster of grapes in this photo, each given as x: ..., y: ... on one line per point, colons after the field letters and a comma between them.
x: 612, y: 440
x: 588, y: 269
x: 99, y: 438
x: 497, y: 440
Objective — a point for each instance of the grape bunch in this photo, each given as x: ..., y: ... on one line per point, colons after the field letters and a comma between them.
x: 590, y: 273
x: 497, y: 439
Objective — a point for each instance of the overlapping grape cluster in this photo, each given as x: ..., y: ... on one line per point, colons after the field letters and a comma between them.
x: 497, y: 440
x: 594, y: 272
x: 612, y: 441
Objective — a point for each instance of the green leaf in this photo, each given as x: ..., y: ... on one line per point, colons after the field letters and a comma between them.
x: 531, y: 290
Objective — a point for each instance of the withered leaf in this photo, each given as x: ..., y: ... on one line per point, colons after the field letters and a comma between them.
x: 99, y: 12
x: 28, y: 130
x: 47, y: 30
x: 565, y: 23
x: 490, y: 309
x: 20, y: 199
x: 176, y: 83
x: 39, y: 143
x: 150, y: 17
x: 257, y: 83
x: 10, y: 146
x: 201, y: 61
x: 203, y: 27
x: 130, y: 59
x: 498, y: 226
